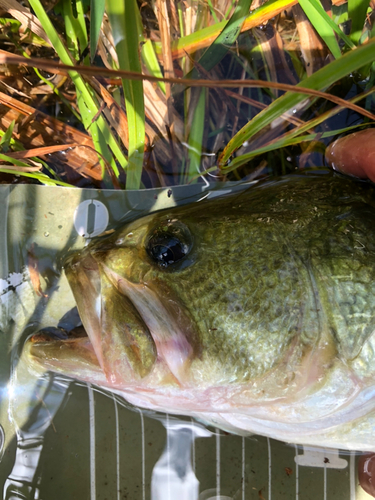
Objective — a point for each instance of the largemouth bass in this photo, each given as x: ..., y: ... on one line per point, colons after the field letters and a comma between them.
x: 254, y: 312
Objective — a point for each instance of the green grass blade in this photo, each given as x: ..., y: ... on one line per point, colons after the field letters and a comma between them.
x: 219, y: 48
x: 196, y: 137
x: 290, y: 141
x: 99, y: 130
x: 14, y: 161
x: 212, y: 10
x: 321, y: 22
x: 7, y: 137
x: 21, y: 164
x: 340, y: 14
x: 330, y: 22
x: 81, y: 30
x: 320, y: 80
x: 357, y: 10
x: 96, y: 18
x: 13, y: 143
x: 70, y: 33
x: 43, y: 178
x: 75, y: 27
x: 12, y: 24
x: 231, y: 5
x: 123, y: 18
x: 152, y: 63
x: 205, y: 36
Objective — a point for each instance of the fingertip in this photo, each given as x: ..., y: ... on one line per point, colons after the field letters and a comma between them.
x: 366, y: 473
x: 354, y: 154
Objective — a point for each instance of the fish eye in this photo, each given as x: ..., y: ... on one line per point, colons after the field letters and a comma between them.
x: 169, y: 243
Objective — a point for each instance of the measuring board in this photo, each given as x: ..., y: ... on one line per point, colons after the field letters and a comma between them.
x: 96, y: 447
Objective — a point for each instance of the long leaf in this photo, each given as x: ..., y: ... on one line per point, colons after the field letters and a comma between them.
x: 151, y: 62
x: 123, y: 18
x: 220, y: 46
x: 289, y: 141
x: 319, y: 21
x: 357, y: 13
x: 70, y: 32
x: 204, y: 37
x: 319, y: 8
x: 75, y: 27
x: 196, y: 137
x: 19, y: 167
x: 43, y: 178
x: 14, y: 161
x: 96, y: 18
x: 81, y: 30
x: 7, y: 137
x: 322, y: 79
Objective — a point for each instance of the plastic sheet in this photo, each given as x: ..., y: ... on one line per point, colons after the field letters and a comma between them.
x: 61, y: 438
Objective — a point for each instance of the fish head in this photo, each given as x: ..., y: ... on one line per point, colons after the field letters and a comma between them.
x: 137, y: 325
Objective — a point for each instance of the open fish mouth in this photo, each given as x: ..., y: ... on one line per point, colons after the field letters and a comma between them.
x: 132, y: 335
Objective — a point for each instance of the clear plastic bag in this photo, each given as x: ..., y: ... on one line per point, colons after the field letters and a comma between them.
x: 60, y: 438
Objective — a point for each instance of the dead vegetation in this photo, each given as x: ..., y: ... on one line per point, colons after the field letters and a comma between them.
x: 189, y: 132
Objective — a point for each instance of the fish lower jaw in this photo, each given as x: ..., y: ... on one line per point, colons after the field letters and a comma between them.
x: 173, y: 342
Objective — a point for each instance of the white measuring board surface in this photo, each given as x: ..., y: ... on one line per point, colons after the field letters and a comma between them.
x: 110, y: 450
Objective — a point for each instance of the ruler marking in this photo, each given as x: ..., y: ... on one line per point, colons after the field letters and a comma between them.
x: 352, y: 475
x: 269, y: 468
x: 217, y: 462
x: 243, y: 468
x: 92, y: 443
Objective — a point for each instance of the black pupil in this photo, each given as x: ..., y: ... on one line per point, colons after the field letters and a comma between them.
x: 166, y: 249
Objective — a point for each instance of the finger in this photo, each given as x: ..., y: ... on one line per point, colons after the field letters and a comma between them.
x: 366, y: 473
x: 354, y: 154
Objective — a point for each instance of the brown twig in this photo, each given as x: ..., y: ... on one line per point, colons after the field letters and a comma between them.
x: 94, y: 71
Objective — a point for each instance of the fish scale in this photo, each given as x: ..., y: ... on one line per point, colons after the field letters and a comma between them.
x: 224, y: 313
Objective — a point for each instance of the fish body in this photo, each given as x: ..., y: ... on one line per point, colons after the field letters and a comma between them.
x: 254, y: 312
